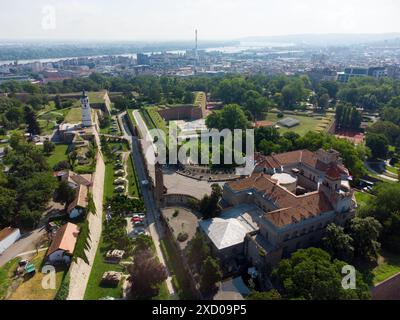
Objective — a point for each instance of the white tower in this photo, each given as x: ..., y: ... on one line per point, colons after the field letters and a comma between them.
x: 86, y: 111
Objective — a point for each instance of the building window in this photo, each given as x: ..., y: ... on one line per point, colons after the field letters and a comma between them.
x: 286, y: 238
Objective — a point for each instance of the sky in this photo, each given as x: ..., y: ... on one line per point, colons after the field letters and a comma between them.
x: 167, y: 20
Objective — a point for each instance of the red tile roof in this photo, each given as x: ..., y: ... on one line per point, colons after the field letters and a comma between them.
x: 291, y: 207
x: 65, y: 239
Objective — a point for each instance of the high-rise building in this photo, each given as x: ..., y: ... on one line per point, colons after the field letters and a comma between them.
x: 143, y: 59
x: 86, y: 110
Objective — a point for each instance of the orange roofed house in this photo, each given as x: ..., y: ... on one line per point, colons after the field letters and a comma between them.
x: 285, y: 205
x: 63, y: 244
x: 81, y: 183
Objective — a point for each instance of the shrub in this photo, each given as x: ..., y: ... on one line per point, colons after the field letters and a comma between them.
x: 182, y: 236
x: 176, y: 213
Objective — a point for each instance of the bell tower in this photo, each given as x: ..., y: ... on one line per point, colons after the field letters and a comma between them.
x: 86, y: 111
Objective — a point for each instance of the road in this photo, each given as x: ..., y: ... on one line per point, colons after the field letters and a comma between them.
x: 378, y: 174
x: 153, y: 216
x: 25, y: 244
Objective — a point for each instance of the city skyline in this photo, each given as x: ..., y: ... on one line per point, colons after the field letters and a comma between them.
x: 156, y: 20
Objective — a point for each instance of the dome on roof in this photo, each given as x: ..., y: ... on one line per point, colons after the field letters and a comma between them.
x: 286, y: 180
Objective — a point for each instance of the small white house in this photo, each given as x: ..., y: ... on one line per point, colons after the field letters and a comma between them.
x: 7, y: 237
x: 63, y: 244
x: 80, y: 203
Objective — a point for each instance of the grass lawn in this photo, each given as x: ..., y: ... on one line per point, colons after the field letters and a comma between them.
x: 6, y: 274
x: 133, y: 188
x: 74, y: 115
x: 59, y: 154
x: 47, y: 127
x: 392, y: 169
x: 388, y: 265
x: 94, y: 290
x: 306, y: 123
x: 179, y: 278
x: 362, y: 198
x: 31, y: 289
x: 130, y: 114
x: 49, y: 107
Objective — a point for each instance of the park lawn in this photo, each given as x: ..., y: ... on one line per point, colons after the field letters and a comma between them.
x: 47, y: 127
x: 363, y: 198
x: 31, y: 289
x: 96, y: 97
x: 94, y: 290
x: 388, y: 265
x: 392, y: 169
x: 6, y: 274
x: 59, y: 154
x: 133, y: 187
x: 179, y: 278
x: 74, y: 115
x: 49, y: 107
x: 306, y: 123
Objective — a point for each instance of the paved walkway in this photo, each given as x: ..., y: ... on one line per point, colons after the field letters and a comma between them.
x: 80, y: 271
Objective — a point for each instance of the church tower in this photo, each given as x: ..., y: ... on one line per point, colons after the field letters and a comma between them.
x: 86, y: 110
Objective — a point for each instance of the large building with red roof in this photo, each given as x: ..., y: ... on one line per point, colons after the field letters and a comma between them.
x: 297, y: 194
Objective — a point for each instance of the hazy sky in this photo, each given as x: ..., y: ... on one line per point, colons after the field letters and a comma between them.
x: 177, y: 19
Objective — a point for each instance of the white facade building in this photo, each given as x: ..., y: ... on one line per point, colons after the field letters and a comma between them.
x: 7, y: 237
x: 86, y: 111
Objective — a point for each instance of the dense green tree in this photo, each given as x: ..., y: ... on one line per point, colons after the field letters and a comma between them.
x: 323, y: 101
x: 365, y: 233
x: 210, y: 274
x: 31, y: 121
x: 197, y: 249
x: 337, y: 243
x: 378, y: 144
x: 64, y: 193
x: 385, y: 207
x: 390, y: 130
x: 115, y: 236
x: 230, y: 117
x: 268, y: 295
x: 48, y: 147
x: 146, y: 274
x: 8, y: 205
x: 311, y: 274
x: 208, y: 206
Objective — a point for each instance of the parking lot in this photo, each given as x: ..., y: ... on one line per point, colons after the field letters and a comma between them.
x: 136, y: 225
